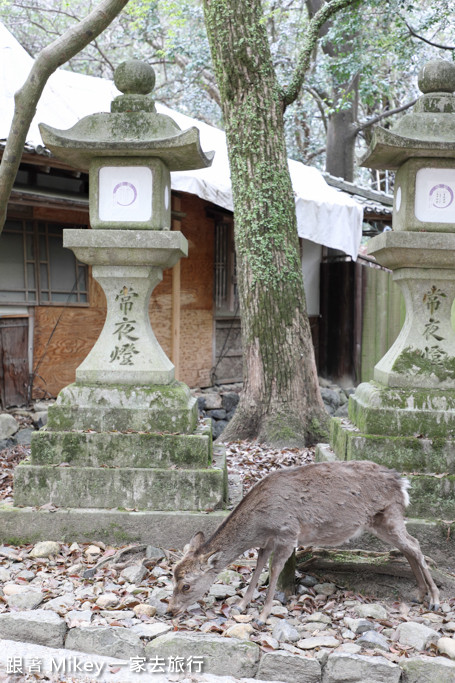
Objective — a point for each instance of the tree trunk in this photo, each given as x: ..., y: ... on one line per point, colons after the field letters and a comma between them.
x: 280, y: 403
x: 341, y: 136
x: 341, y: 130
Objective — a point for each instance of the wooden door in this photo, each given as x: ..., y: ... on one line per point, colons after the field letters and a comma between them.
x: 14, y: 371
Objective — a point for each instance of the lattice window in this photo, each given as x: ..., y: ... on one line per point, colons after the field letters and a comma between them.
x: 35, y: 268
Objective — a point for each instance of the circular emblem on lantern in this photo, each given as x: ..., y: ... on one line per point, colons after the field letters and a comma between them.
x: 124, y: 194
x: 441, y: 196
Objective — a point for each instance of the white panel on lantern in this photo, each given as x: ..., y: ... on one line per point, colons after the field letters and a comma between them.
x: 435, y: 195
x: 125, y: 193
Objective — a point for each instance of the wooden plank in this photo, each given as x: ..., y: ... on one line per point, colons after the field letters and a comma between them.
x: 63, y: 337
x: 176, y: 286
x: 382, y: 314
x: 14, y: 361
x: 369, y: 327
x: 323, y: 325
x: 70, y: 216
x: 395, y: 302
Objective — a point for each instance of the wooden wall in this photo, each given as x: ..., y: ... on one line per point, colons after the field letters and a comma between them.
x: 77, y: 328
x: 196, y: 305
x: 63, y: 337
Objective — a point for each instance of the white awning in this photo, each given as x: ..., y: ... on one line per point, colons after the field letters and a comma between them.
x: 324, y: 215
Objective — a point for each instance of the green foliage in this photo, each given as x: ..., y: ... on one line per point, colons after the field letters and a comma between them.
x: 372, y: 41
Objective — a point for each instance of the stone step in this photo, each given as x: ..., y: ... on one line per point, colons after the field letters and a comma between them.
x: 121, y: 487
x: 23, y: 525
x: 432, y: 495
x: 404, y: 453
x: 155, y: 408
x: 118, y: 449
x: 406, y: 412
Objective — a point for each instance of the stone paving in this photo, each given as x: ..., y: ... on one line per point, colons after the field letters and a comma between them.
x: 322, y: 634
x: 51, y: 612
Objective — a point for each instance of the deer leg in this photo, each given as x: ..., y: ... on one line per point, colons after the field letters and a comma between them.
x: 390, y: 527
x: 280, y: 555
x: 263, y: 556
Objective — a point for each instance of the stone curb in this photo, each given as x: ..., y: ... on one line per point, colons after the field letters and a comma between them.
x: 20, y: 526
x: 222, y: 655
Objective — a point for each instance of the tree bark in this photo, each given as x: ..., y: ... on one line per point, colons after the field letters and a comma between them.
x: 281, y: 402
x: 341, y: 130
x: 340, y: 149
x: 49, y: 59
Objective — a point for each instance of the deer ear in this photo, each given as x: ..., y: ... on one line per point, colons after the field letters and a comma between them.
x: 196, y: 542
x: 212, y: 558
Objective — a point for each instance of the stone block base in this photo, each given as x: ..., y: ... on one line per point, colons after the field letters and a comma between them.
x: 429, y: 464
x: 133, y: 448
x: 377, y: 409
x: 404, y: 453
x: 141, y: 489
x: 136, y: 488
x: 153, y: 408
x: 19, y: 526
x: 116, y: 449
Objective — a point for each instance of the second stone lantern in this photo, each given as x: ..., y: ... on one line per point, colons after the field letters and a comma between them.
x: 405, y: 417
x: 126, y: 431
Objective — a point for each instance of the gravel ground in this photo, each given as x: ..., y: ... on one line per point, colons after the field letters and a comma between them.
x: 321, y: 617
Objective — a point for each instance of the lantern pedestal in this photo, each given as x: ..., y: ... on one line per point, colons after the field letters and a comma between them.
x: 126, y: 431
x: 405, y: 418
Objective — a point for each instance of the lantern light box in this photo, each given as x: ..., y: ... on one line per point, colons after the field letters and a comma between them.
x: 130, y: 194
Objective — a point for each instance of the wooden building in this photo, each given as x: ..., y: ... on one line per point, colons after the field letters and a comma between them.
x: 361, y: 308
x: 52, y: 310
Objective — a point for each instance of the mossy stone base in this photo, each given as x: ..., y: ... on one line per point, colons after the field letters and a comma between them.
x: 154, y: 408
x: 432, y: 496
x: 404, y: 453
x: 376, y: 409
x: 122, y: 487
x: 433, y: 488
x: 117, y: 449
x: 23, y: 525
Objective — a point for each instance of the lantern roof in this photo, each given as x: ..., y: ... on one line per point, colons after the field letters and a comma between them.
x: 133, y: 128
x: 428, y: 130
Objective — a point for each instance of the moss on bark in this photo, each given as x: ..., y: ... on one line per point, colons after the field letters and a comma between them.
x: 281, y: 401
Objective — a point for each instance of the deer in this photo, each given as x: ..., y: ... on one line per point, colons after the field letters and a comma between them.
x: 326, y: 503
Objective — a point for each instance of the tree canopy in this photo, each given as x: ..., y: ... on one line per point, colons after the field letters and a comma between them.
x: 388, y: 42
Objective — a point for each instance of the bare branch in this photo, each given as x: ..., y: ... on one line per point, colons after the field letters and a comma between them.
x: 319, y: 102
x: 316, y: 153
x: 48, y: 60
x: 383, y: 115
x: 414, y: 33
x: 51, y: 10
x: 291, y: 93
x: 103, y: 55
x: 209, y: 83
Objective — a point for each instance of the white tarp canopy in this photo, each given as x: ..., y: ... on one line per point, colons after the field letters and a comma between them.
x: 324, y: 215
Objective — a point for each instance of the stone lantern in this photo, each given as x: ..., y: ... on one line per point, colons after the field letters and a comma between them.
x: 126, y: 430
x: 405, y: 417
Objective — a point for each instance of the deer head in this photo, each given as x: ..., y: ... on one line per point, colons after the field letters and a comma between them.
x: 194, y: 574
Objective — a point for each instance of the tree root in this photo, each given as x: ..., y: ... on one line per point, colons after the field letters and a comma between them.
x: 391, y: 563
